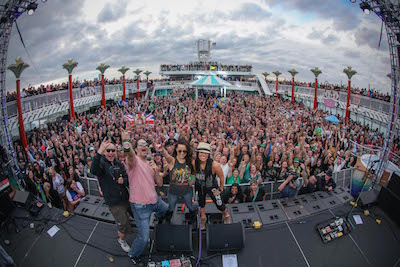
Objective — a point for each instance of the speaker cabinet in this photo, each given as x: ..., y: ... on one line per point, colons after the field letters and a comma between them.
x: 394, y: 184
x: 174, y: 238
x: 225, y: 237
x: 23, y: 198
x: 390, y: 204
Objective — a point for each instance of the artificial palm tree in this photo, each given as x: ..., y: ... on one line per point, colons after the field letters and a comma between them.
x: 137, y: 72
x: 123, y: 70
x: 69, y: 66
x: 266, y: 74
x: 316, y: 72
x: 349, y: 72
x: 293, y: 72
x: 102, y: 68
x: 17, y: 69
x: 277, y: 73
x: 147, y: 73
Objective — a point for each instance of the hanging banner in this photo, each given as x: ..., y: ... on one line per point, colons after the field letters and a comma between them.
x: 329, y: 102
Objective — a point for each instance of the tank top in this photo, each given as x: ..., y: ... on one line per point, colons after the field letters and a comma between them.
x: 179, y: 178
x: 203, y: 181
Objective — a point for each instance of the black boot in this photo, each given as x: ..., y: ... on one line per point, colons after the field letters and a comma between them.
x: 167, y: 217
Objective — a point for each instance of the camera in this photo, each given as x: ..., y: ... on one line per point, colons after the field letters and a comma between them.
x: 294, y: 174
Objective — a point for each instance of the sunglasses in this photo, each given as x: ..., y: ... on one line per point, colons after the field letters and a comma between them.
x: 182, y: 151
x: 142, y: 144
x: 110, y: 150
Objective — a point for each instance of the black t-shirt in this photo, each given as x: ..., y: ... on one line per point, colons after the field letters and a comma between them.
x: 259, y: 197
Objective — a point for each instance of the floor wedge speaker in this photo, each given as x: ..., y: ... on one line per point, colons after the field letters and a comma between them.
x: 23, y: 198
x: 225, y: 237
x: 170, y: 237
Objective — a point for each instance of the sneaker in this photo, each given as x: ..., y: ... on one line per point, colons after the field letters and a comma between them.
x: 125, y: 247
x: 227, y: 220
x: 137, y: 261
x: 203, y: 223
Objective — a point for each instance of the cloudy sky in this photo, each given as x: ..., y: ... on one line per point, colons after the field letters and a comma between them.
x: 269, y: 34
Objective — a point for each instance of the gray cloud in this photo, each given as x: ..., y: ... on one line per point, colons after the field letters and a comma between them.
x: 330, y: 39
x: 56, y: 32
x: 354, y: 54
x: 315, y: 34
x: 345, y: 16
x: 113, y: 12
x: 370, y: 37
x: 250, y: 11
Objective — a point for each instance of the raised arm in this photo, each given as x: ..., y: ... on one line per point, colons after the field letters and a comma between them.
x: 168, y: 157
x: 130, y: 155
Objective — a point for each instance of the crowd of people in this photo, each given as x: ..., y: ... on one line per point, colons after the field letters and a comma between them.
x: 248, y: 138
x: 205, y: 66
x: 372, y: 93
x: 224, y: 149
x: 43, y: 89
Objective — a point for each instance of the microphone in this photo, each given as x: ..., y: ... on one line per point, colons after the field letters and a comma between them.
x: 195, y: 205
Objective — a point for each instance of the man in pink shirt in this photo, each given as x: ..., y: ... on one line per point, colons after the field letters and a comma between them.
x: 143, y: 176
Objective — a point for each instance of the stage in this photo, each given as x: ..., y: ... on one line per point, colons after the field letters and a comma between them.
x: 289, y: 243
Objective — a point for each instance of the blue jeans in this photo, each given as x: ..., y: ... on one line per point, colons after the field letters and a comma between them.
x: 187, y: 198
x: 142, y: 214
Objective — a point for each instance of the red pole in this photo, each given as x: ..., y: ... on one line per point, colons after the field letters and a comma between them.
x: 103, y: 96
x: 123, y: 86
x: 71, y: 99
x: 137, y: 93
x: 348, y: 102
x: 22, y: 133
x: 147, y: 84
x: 292, y: 89
x: 276, y: 83
x: 315, y: 94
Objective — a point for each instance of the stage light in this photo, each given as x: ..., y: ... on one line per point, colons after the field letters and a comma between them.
x: 365, y: 7
x: 31, y: 8
x: 353, y: 1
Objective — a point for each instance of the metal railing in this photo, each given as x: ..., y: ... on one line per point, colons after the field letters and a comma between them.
x: 341, y: 178
x: 31, y: 103
x: 355, y: 99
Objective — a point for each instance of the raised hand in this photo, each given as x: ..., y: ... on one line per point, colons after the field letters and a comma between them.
x: 158, y: 147
x: 125, y: 134
x: 106, y: 142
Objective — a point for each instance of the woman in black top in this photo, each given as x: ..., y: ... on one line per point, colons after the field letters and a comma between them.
x: 254, y: 193
x: 181, y: 175
x: 234, y: 195
x: 207, y: 171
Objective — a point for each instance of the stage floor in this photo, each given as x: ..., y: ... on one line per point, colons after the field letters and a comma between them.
x: 293, y: 243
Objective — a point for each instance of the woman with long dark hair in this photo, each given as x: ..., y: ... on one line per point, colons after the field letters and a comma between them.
x: 234, y: 195
x: 207, y: 171
x: 181, y: 171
